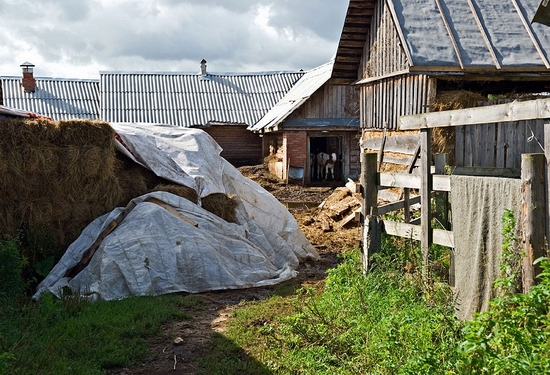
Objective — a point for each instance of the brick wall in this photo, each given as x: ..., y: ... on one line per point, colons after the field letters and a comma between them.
x: 295, y: 148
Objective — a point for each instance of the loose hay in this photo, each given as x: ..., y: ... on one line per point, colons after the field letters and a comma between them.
x: 183, y: 191
x: 221, y: 205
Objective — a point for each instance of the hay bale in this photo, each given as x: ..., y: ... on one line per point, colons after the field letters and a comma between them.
x: 221, y: 205
x: 180, y: 190
x: 86, y: 133
x: 456, y: 99
x: 134, y: 179
x: 443, y: 139
x: 60, y: 176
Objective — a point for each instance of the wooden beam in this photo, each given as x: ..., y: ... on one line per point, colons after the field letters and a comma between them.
x: 397, y: 26
x: 486, y: 172
x: 425, y: 200
x: 442, y: 197
x: 515, y: 111
x: 371, y: 236
x: 413, y: 181
x: 384, y: 209
x: 440, y: 237
x: 402, y: 144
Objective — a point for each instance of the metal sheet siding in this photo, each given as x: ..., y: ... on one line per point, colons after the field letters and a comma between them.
x: 185, y: 99
x: 59, y: 99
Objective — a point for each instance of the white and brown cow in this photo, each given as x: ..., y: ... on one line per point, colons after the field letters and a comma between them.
x: 325, y: 165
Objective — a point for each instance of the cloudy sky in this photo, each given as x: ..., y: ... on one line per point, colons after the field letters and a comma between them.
x: 79, y: 38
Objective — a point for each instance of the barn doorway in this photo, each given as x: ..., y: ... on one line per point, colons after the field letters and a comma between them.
x: 327, y: 145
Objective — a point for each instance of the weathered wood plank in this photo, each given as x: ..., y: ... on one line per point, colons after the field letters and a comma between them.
x: 403, y: 144
x: 440, y: 237
x: 413, y: 181
x: 425, y: 199
x: 486, y: 171
x: 515, y: 111
x: 384, y: 209
x: 371, y: 236
x: 459, y: 146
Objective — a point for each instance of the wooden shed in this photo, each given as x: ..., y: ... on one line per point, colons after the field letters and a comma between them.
x: 314, y: 116
x: 407, y: 57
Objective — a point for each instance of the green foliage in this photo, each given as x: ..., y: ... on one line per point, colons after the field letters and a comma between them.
x: 513, y: 337
x: 510, y: 259
x: 38, y: 247
x: 12, y: 284
x: 25, y: 261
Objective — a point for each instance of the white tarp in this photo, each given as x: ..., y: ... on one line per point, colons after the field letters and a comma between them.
x: 155, y: 251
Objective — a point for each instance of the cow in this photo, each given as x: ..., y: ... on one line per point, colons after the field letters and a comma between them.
x: 325, y: 165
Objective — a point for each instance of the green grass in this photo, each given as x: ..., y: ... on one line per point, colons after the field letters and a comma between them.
x: 387, y: 321
x: 71, y: 336
x: 380, y: 323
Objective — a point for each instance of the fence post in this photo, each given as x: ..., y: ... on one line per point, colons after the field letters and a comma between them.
x: 442, y: 197
x: 425, y: 199
x: 533, y: 215
x: 547, y: 178
x: 371, y: 235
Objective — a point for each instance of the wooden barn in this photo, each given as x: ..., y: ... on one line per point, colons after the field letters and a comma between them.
x: 314, y: 117
x: 411, y: 57
x: 222, y: 104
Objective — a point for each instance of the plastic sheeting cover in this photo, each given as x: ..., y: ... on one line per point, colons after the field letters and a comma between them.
x: 154, y: 251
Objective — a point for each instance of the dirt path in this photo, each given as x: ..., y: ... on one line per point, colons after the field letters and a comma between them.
x: 165, y: 357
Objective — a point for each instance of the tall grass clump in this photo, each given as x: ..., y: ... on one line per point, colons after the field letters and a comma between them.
x: 12, y: 283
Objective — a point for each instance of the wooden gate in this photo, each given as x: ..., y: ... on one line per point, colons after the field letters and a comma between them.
x: 434, y: 178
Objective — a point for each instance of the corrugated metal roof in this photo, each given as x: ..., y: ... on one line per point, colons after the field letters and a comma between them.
x: 295, y: 97
x: 473, y: 33
x: 57, y: 98
x: 187, y: 99
x: 452, y: 36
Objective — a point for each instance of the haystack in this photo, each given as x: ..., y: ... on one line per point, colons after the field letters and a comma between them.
x: 60, y: 176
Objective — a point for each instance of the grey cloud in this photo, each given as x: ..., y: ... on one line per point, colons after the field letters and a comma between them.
x: 177, y: 34
x: 323, y: 18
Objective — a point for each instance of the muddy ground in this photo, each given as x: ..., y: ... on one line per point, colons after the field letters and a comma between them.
x: 323, y: 228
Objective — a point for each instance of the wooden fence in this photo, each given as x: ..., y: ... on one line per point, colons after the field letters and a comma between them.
x: 434, y: 179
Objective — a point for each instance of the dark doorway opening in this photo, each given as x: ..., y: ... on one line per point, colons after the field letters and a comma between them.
x: 327, y: 145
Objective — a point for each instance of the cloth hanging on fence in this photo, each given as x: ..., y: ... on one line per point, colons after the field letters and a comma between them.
x: 478, y: 205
